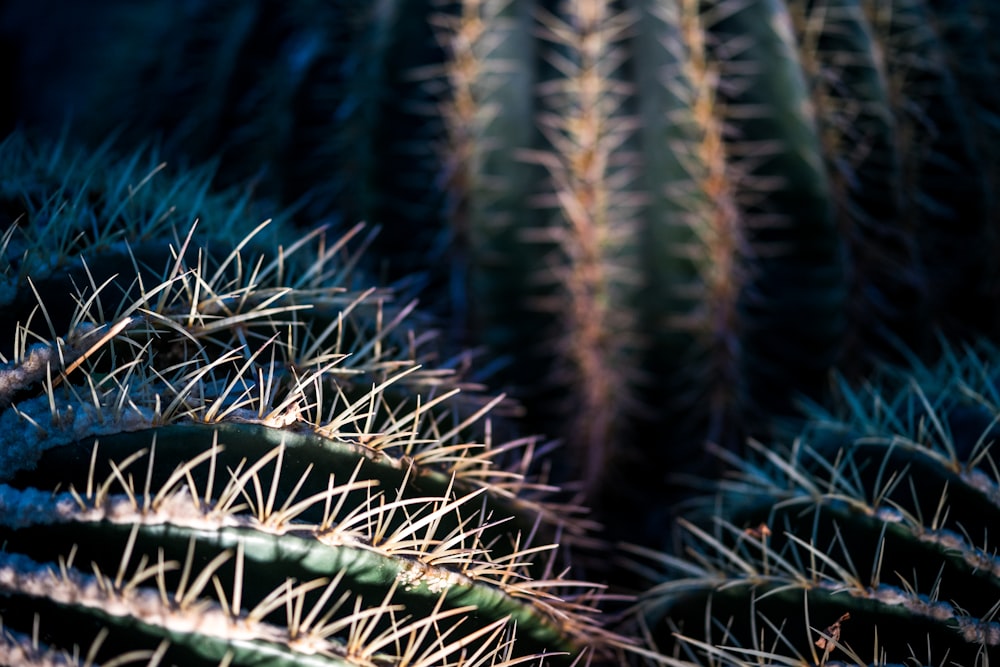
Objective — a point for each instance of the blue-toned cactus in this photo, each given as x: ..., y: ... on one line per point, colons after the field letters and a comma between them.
x: 216, y: 447
x: 866, y: 540
x: 665, y: 216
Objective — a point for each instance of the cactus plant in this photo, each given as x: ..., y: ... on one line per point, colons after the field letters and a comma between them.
x: 668, y: 216
x: 298, y: 99
x: 747, y: 194
x: 218, y: 448
x: 867, y: 540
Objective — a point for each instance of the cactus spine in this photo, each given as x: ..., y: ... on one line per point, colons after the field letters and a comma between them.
x: 219, y: 449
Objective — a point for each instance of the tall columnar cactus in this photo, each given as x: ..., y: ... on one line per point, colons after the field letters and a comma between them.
x: 591, y: 259
x: 867, y: 540
x: 217, y: 448
x: 746, y: 194
x: 853, y: 91
x: 692, y: 220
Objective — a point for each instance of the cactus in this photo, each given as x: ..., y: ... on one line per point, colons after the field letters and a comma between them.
x: 664, y: 216
x: 297, y: 99
x: 865, y: 541
x: 779, y: 172
x: 234, y: 86
x: 219, y: 447
x: 742, y: 195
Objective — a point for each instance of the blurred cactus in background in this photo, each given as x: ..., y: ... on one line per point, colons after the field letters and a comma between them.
x: 668, y: 218
x: 730, y: 199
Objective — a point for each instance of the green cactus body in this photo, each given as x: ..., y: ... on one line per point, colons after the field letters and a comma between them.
x: 944, y: 175
x: 866, y: 542
x: 695, y: 242
x: 795, y: 282
x: 590, y: 274
x: 565, y: 254
x: 221, y: 451
x: 678, y: 231
x: 487, y: 79
x: 781, y: 201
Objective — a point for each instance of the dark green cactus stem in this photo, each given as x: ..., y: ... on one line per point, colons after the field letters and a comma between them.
x: 796, y: 274
x: 219, y: 449
x: 777, y: 172
x: 846, y: 71
x: 694, y: 249
x: 867, y: 540
x: 592, y: 270
x: 747, y: 231
x: 944, y: 179
x: 487, y: 81
x: 678, y: 244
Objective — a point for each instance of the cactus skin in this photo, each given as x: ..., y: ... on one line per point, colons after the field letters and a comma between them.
x: 878, y: 515
x: 223, y: 451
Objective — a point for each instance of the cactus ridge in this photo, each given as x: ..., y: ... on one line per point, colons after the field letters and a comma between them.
x: 368, y: 542
x: 867, y: 538
x: 229, y: 446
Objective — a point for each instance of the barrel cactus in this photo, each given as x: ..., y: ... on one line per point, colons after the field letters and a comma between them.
x: 865, y: 541
x: 217, y: 446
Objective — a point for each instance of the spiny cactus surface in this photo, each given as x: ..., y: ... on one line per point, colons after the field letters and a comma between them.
x: 870, y: 540
x: 731, y: 199
x: 664, y: 216
x: 216, y: 449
